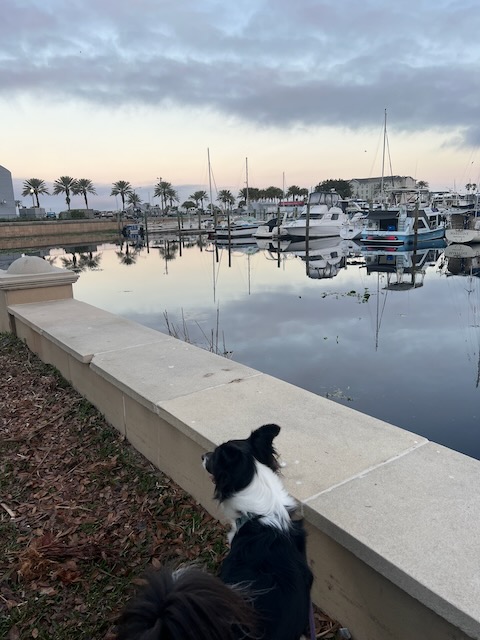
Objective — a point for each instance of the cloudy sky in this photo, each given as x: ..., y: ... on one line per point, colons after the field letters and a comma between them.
x: 139, y: 90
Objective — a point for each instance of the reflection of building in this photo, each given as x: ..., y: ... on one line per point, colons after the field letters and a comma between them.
x: 7, y: 199
x: 370, y: 188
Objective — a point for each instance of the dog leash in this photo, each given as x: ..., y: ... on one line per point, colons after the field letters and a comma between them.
x: 311, y: 622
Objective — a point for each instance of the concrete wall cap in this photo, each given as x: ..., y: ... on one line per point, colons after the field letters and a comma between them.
x: 31, y: 265
x: 31, y: 272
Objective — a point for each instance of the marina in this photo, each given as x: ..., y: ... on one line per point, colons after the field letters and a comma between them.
x: 391, y: 333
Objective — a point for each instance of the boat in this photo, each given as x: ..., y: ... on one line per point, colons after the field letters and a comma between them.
x: 464, y: 227
x: 269, y: 228
x: 353, y: 226
x: 406, y: 223
x: 322, y: 217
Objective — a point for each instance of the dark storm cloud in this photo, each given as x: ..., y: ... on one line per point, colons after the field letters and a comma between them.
x: 272, y: 63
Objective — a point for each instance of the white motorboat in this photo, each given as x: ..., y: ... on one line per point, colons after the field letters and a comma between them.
x: 464, y: 228
x: 353, y: 226
x: 322, y: 217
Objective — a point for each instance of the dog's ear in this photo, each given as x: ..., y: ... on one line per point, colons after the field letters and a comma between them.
x: 261, y: 441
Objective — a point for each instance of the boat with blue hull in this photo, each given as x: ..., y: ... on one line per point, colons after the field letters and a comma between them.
x: 405, y: 224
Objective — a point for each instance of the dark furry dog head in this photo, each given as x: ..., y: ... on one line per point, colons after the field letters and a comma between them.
x: 232, y: 464
x: 187, y: 604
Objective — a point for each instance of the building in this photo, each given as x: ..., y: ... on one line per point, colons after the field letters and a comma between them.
x: 370, y: 188
x: 31, y: 213
x: 7, y: 199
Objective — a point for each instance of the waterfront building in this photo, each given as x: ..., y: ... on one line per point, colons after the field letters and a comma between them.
x: 7, y: 199
x: 369, y: 189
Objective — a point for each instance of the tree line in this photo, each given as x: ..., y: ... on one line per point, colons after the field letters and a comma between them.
x: 168, y: 195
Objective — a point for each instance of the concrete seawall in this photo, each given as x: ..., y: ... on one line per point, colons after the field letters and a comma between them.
x: 43, y: 233
x: 392, y: 518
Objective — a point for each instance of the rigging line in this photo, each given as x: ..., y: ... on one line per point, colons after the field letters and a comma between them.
x: 389, y: 158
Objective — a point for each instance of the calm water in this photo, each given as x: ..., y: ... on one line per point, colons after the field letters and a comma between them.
x: 355, y: 331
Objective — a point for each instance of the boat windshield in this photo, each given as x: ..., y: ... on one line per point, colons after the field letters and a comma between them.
x: 330, y: 198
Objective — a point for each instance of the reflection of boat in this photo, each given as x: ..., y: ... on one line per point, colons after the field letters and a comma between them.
x: 133, y: 232
x: 405, y: 269
x: 322, y: 216
x: 236, y: 241
x: 239, y: 228
x: 398, y: 270
x: 405, y: 224
x: 464, y: 261
x: 464, y: 227
x: 323, y: 257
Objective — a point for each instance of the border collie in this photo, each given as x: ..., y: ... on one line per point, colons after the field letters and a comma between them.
x: 268, y: 548
x: 265, y: 581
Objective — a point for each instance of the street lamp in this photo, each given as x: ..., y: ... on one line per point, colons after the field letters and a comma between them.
x: 32, y: 192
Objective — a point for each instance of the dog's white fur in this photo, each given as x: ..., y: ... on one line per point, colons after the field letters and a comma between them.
x: 265, y: 497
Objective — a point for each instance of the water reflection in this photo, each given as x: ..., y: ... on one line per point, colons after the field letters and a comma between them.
x: 128, y: 253
x: 464, y: 260
x: 394, y: 334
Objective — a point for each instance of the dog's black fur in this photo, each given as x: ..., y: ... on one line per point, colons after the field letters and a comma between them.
x: 270, y: 559
x: 187, y: 604
x: 266, y: 560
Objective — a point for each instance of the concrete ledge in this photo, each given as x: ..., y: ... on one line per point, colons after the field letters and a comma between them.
x: 392, y: 518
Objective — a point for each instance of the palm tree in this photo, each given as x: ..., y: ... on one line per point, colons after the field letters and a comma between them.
x: 164, y: 191
x: 274, y: 193
x: 134, y: 199
x: 199, y: 196
x: 294, y: 191
x: 172, y: 196
x: 121, y: 188
x: 66, y: 185
x: 33, y: 187
x: 226, y: 198
x: 83, y: 186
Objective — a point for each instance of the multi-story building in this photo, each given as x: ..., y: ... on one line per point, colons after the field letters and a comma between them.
x: 370, y: 189
x: 7, y: 199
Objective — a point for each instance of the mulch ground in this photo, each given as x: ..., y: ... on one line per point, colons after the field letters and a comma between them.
x: 82, y: 515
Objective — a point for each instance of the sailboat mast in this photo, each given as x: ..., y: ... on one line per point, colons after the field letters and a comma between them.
x: 246, y: 182
x: 383, y: 157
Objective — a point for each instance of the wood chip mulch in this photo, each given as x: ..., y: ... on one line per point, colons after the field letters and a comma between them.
x: 82, y: 514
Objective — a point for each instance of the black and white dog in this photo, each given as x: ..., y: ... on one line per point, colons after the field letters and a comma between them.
x: 268, y: 548
x: 265, y: 580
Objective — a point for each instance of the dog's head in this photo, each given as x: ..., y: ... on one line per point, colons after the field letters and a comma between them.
x: 232, y: 464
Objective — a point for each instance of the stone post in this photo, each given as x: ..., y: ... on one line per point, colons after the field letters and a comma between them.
x: 32, y: 279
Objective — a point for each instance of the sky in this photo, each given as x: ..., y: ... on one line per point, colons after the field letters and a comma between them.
x: 140, y: 90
